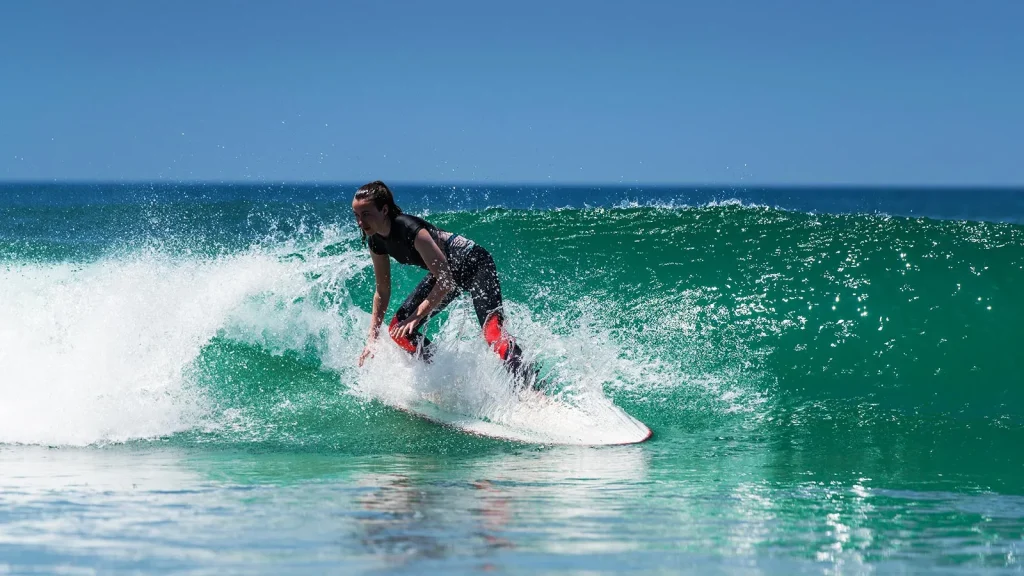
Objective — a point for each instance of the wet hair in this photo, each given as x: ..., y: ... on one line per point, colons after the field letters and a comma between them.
x: 381, y: 196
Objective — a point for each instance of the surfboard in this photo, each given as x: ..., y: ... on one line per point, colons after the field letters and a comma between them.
x: 549, y: 422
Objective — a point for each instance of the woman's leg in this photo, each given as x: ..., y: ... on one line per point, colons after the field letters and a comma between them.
x: 416, y: 341
x: 485, y: 289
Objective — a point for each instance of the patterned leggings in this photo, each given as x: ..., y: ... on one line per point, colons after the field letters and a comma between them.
x: 476, y: 273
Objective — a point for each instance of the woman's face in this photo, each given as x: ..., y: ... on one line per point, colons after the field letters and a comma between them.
x: 369, y: 218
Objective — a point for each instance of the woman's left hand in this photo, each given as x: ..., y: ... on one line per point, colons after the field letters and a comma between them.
x: 404, y: 328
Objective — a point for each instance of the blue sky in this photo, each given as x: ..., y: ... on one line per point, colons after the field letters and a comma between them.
x: 715, y: 92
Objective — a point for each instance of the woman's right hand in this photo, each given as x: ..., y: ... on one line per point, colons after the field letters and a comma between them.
x: 367, y: 353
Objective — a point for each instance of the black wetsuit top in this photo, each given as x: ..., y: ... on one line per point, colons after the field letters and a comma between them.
x: 401, y: 241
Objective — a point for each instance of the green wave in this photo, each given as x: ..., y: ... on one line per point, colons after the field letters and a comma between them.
x: 915, y: 312
x: 726, y: 318
x: 722, y: 315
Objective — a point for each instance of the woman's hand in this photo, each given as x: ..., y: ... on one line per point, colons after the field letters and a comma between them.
x: 367, y: 353
x: 406, y: 327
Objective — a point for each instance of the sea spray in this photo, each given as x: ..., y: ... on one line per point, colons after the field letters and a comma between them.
x: 97, y: 352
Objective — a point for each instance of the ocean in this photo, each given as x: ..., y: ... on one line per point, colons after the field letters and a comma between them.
x: 833, y: 378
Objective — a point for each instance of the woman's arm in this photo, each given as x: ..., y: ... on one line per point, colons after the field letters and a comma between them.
x: 381, y: 298
x: 382, y: 295
x: 437, y: 263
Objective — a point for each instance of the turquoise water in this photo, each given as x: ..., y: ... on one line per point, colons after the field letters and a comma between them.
x: 832, y: 378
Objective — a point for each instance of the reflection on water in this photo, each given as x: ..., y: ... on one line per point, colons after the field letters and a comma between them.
x: 104, y: 507
x: 709, y: 503
x: 403, y: 522
x: 432, y: 510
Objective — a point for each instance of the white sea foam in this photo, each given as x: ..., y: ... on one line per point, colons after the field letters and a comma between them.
x: 680, y: 205
x: 101, y: 351
x: 97, y: 352
x: 467, y: 378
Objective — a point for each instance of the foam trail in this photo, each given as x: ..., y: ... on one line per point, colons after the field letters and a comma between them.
x: 466, y: 378
x: 98, y: 352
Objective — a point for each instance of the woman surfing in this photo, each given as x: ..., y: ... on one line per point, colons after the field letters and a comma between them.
x: 453, y: 263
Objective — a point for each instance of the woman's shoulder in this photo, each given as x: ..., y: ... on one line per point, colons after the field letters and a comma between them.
x: 410, y: 225
x: 412, y: 221
x: 375, y: 244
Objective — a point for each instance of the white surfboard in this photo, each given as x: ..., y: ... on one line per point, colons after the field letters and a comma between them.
x: 472, y: 395
x: 540, y: 420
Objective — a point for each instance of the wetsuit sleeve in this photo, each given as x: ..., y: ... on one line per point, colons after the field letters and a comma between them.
x: 375, y: 246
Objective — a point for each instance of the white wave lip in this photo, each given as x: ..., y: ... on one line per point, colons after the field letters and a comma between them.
x: 97, y: 352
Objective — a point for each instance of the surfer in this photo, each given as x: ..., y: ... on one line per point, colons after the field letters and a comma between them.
x: 453, y: 263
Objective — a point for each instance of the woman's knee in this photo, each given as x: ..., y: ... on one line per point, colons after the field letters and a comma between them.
x: 495, y: 335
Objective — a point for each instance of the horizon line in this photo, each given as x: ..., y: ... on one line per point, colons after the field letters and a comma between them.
x: 525, y: 184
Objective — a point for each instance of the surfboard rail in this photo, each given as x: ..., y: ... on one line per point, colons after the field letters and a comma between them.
x: 629, y: 429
